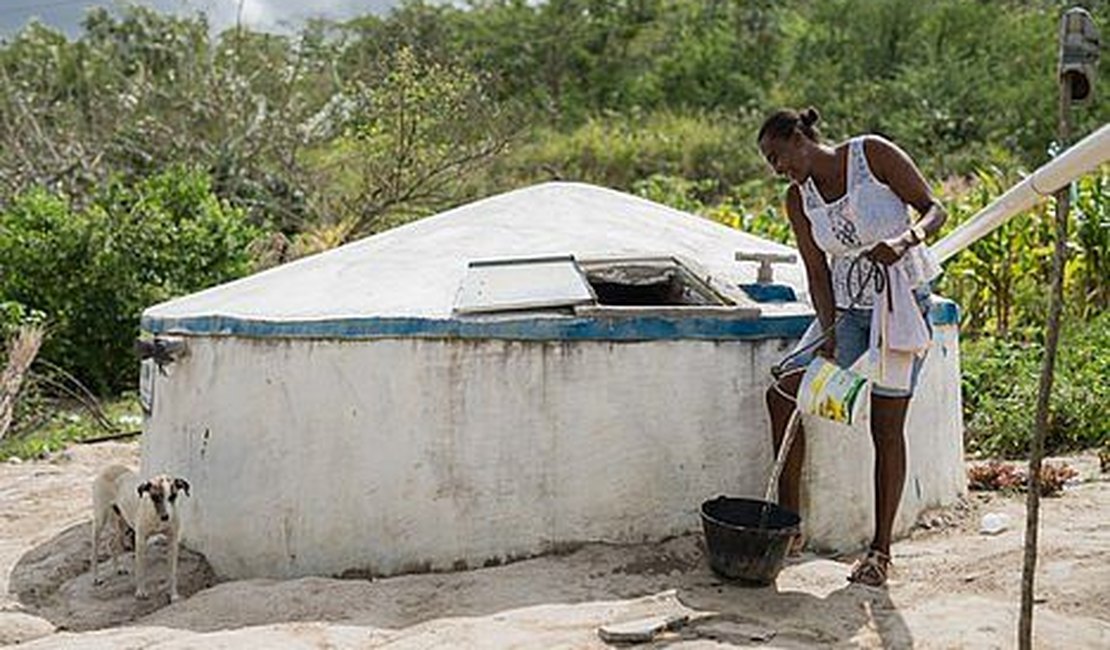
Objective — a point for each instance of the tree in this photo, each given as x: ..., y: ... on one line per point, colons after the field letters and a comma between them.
x: 407, y: 139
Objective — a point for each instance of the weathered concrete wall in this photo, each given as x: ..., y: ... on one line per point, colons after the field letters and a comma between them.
x: 386, y: 456
x: 392, y: 455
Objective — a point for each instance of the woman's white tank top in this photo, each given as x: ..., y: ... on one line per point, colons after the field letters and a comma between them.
x: 868, y: 213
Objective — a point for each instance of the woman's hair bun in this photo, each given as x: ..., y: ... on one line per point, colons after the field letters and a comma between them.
x: 809, y: 116
x: 785, y: 122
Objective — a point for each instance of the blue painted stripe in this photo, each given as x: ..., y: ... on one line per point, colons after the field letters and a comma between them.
x: 599, y: 329
x: 943, y: 311
x: 770, y: 292
x: 628, y: 328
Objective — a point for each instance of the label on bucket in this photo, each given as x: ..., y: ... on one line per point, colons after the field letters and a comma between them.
x: 831, y: 392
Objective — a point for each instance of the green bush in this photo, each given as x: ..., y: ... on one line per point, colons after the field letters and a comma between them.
x: 1000, y: 383
x: 92, y: 270
x: 59, y: 425
x: 714, y: 148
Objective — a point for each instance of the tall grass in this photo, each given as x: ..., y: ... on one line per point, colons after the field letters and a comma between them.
x: 1001, y: 281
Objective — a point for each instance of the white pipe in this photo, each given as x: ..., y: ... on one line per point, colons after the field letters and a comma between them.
x: 1088, y: 153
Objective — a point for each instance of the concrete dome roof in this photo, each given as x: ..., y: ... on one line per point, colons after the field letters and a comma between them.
x: 414, y: 271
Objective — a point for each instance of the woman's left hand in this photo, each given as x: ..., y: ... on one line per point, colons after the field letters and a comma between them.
x: 888, y: 251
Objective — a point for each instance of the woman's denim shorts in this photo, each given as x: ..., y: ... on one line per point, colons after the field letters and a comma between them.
x: 853, y: 338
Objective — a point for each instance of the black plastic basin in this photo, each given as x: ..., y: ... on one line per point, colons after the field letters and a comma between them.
x: 739, y: 548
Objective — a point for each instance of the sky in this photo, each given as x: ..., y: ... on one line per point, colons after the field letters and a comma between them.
x: 268, y: 15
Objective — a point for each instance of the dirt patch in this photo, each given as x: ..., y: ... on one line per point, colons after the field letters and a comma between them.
x: 53, y: 581
x: 950, y: 587
x: 673, y: 557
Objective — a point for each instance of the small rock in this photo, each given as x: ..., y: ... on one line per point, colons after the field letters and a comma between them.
x: 993, y: 523
x: 64, y: 456
x: 15, y: 460
x: 641, y: 630
x: 17, y: 627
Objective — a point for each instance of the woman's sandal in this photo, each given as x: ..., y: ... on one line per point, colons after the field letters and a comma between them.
x: 872, y: 569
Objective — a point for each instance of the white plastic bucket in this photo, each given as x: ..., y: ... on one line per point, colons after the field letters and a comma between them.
x: 831, y: 392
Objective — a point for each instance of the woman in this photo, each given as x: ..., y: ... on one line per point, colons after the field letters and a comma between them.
x: 847, y: 207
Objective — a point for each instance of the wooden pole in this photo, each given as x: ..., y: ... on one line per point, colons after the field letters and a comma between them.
x: 1040, y: 429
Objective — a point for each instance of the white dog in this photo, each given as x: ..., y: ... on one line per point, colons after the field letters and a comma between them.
x: 148, y: 508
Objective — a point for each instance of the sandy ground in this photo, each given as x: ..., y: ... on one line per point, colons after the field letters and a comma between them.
x: 951, y: 588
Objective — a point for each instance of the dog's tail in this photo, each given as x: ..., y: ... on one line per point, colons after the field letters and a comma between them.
x: 111, y: 473
x: 104, y: 487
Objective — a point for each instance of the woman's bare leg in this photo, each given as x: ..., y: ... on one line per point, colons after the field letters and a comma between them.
x: 888, y: 421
